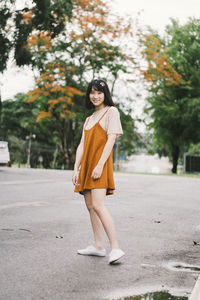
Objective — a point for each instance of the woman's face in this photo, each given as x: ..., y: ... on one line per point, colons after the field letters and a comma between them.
x: 97, y: 98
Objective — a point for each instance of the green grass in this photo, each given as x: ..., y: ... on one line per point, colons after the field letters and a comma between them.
x: 140, y: 173
x: 162, y: 174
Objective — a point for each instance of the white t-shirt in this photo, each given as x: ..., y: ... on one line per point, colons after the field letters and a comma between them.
x: 110, y: 122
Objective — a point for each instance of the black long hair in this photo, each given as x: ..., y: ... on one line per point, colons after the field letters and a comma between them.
x: 98, y: 85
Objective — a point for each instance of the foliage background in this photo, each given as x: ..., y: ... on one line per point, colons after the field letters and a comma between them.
x: 67, y: 44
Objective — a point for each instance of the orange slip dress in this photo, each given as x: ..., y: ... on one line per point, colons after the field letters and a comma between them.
x: 94, y: 142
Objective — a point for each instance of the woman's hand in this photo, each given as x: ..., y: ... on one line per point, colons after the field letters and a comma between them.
x: 75, y: 177
x: 96, y: 173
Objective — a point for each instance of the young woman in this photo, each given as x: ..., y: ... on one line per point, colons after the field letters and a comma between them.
x: 93, y: 169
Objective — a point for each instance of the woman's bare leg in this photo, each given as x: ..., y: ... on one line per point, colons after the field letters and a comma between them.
x: 98, y: 204
x: 95, y: 221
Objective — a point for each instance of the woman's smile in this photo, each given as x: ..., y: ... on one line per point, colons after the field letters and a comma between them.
x: 96, y: 97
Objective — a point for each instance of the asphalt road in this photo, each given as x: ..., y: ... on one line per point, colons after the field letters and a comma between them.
x: 158, y: 226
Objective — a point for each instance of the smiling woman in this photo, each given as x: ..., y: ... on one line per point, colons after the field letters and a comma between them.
x: 97, y: 98
x: 99, y: 133
x: 98, y: 95
x: 94, y: 157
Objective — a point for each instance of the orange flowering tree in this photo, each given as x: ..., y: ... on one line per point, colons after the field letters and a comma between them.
x: 172, y: 73
x: 89, y: 47
x: 17, y: 24
x: 97, y: 40
x: 159, y: 68
x: 92, y: 42
x: 56, y: 102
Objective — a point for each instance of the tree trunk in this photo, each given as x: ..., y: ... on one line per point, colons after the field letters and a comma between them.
x: 65, y: 151
x: 70, y: 145
x: 175, y: 156
x: 63, y: 142
x: 113, y: 85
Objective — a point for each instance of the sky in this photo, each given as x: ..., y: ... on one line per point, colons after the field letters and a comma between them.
x: 156, y: 13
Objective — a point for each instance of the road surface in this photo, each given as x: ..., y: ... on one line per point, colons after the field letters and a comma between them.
x: 43, y: 222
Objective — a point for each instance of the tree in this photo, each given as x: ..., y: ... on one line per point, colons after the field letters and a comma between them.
x: 194, y: 149
x: 54, y: 98
x: 16, y: 25
x: 18, y: 118
x: 173, y: 70
x: 90, y: 46
x: 131, y: 140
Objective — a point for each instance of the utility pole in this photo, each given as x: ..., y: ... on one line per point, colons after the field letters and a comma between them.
x: 116, y: 156
x: 1, y: 127
x: 28, y: 137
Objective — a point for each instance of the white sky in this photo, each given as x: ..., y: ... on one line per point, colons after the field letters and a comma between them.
x: 156, y: 13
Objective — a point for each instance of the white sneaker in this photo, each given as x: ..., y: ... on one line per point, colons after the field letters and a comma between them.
x: 91, y: 250
x: 114, y: 255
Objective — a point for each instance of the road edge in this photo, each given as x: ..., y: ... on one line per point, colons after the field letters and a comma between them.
x: 195, y: 295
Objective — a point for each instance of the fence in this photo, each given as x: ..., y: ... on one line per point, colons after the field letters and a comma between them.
x: 192, y: 163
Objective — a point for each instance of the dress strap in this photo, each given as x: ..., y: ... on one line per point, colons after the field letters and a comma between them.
x: 87, y: 122
x: 103, y: 115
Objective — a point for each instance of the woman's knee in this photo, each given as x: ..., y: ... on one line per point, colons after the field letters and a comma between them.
x: 89, y: 206
x: 92, y: 206
x: 88, y: 200
x: 98, y: 207
x: 98, y: 198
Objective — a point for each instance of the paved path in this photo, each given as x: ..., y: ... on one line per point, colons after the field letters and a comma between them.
x: 147, y: 164
x: 157, y: 220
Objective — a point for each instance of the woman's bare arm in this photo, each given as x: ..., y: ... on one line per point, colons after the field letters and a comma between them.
x: 79, y: 154
x: 105, y: 154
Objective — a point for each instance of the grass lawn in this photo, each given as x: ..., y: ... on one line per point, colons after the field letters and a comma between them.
x: 163, y: 174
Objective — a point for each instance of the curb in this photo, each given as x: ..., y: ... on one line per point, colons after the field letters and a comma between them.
x: 196, y: 290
